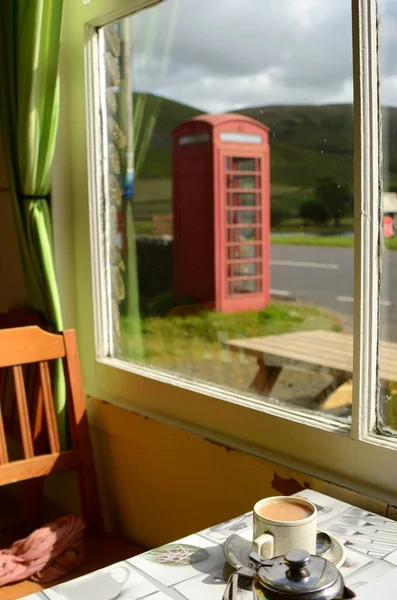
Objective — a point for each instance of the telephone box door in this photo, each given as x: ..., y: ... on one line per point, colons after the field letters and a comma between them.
x: 244, y: 235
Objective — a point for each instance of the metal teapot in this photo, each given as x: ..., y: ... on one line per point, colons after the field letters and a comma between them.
x: 297, y: 575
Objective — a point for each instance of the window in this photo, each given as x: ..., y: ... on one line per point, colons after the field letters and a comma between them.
x: 191, y: 343
x: 186, y: 229
x: 387, y: 414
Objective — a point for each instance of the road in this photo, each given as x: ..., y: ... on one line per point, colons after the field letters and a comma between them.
x: 324, y: 277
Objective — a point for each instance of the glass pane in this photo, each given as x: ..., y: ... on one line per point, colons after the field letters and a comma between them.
x: 244, y: 182
x: 241, y: 269
x: 388, y: 300
x: 245, y: 217
x: 246, y: 251
x: 244, y: 286
x: 172, y: 231
x: 242, y: 234
x: 240, y: 164
x: 243, y: 199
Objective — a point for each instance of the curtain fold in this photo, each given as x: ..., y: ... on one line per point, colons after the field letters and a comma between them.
x: 29, y: 102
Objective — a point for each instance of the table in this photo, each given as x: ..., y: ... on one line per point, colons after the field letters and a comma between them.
x: 194, y: 568
x: 318, y: 351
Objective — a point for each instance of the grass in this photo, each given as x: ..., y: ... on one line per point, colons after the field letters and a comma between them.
x: 335, y: 241
x: 192, y: 344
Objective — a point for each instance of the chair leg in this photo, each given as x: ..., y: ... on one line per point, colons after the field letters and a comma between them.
x: 80, y: 435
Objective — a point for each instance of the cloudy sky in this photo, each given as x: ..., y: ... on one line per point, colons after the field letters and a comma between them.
x: 219, y: 55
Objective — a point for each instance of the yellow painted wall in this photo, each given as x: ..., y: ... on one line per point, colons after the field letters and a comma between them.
x: 159, y: 483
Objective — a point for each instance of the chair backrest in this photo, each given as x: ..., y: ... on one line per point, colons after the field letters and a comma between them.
x: 26, y: 358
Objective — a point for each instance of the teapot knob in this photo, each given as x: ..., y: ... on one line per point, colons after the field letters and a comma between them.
x: 297, y: 561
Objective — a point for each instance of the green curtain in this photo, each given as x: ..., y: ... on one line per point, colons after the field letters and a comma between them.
x: 29, y: 102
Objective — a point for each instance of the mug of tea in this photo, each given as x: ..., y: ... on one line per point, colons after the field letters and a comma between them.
x: 284, y: 523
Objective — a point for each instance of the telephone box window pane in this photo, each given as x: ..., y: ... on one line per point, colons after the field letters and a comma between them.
x: 243, y: 199
x: 243, y: 234
x: 248, y: 217
x: 246, y: 182
x: 243, y: 217
x: 244, y: 286
x: 242, y: 269
x: 239, y: 252
x: 248, y: 199
x: 240, y: 164
x: 243, y: 182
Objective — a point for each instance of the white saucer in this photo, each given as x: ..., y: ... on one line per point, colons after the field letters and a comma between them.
x: 238, y: 547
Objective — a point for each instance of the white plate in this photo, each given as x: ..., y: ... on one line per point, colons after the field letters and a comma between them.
x: 238, y: 547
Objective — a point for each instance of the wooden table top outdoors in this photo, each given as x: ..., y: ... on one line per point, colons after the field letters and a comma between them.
x: 312, y: 350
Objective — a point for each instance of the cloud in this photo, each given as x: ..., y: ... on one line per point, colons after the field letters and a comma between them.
x: 226, y: 54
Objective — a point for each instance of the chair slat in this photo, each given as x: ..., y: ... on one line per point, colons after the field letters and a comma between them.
x: 3, y: 378
x: 3, y: 442
x: 24, y: 423
x: 37, y: 408
x: 49, y: 410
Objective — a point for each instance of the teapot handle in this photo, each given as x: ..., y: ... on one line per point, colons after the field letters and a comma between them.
x: 234, y: 584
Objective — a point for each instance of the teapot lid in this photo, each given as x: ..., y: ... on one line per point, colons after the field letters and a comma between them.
x: 298, y: 574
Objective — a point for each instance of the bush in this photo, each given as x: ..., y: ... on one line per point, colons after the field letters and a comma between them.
x: 315, y: 211
x: 279, y: 212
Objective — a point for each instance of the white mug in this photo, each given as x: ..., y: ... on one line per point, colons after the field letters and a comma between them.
x: 98, y: 585
x: 276, y: 537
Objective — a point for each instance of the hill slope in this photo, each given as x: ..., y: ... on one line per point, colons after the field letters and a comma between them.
x: 306, y: 141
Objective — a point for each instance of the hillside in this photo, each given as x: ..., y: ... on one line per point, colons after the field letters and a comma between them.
x: 306, y: 141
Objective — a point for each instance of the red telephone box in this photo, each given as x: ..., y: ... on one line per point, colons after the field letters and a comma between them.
x: 221, y: 212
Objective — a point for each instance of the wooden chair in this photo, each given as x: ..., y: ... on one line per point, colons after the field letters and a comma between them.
x: 32, y: 490
x: 35, y: 425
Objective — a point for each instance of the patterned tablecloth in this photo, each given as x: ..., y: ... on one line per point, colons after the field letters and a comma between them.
x: 194, y: 567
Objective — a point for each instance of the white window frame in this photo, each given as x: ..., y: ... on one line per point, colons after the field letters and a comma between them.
x: 302, y: 440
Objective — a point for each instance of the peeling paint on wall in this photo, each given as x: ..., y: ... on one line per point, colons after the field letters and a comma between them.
x: 289, y: 486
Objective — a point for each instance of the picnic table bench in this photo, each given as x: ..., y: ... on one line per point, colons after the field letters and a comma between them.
x: 317, y: 351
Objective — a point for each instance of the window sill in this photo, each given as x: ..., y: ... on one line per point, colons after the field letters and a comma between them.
x: 236, y: 422
x: 268, y: 405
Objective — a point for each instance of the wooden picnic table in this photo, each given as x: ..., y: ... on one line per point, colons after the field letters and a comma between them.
x: 317, y: 351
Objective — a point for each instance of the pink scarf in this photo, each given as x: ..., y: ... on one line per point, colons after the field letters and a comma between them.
x: 46, y: 554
